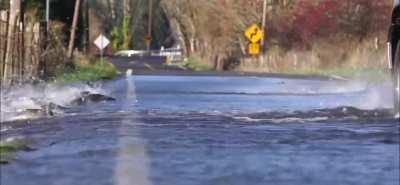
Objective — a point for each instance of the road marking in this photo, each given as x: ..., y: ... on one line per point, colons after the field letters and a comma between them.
x: 133, y: 162
x: 148, y: 66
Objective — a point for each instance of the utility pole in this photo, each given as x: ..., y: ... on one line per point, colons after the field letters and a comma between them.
x: 73, y: 29
x: 148, y: 37
x: 264, y: 28
x: 47, y: 15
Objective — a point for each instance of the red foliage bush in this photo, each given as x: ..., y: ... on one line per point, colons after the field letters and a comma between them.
x: 313, y: 20
x: 310, y: 20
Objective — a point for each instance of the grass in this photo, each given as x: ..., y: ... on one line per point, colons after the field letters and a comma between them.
x: 195, y: 64
x: 100, y: 70
x: 369, y: 74
x: 345, y: 72
x: 8, y: 150
x: 363, y: 73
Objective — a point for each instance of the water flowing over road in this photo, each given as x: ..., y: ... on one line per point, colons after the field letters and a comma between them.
x: 207, y: 130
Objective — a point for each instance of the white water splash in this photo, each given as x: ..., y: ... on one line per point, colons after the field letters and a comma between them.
x: 376, y: 96
x: 367, y: 96
x: 283, y: 120
x: 19, y: 102
x: 343, y: 87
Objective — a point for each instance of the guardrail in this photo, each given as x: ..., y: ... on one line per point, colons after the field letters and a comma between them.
x: 172, y: 54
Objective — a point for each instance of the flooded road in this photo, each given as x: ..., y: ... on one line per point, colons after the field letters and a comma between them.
x: 200, y: 130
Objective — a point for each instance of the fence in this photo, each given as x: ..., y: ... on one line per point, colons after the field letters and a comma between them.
x: 21, y: 49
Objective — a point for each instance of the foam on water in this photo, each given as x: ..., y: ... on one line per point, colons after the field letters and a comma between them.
x: 369, y: 96
x: 15, y: 102
x: 208, y: 94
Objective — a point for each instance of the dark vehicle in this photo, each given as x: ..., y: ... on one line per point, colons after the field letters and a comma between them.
x: 394, y: 54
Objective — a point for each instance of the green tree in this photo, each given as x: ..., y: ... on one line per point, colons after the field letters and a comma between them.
x: 121, y: 36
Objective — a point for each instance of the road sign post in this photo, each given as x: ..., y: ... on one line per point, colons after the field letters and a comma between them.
x: 101, y: 42
x: 148, y: 40
x: 254, y: 48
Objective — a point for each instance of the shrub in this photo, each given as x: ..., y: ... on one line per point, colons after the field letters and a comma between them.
x: 308, y: 21
x: 121, y: 36
x: 100, y: 70
x: 195, y: 64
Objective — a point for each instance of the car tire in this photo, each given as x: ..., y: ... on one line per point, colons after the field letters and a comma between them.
x: 396, y: 81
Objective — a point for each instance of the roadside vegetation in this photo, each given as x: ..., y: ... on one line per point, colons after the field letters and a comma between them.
x: 195, y: 64
x: 302, y: 36
x: 121, y: 36
x: 350, y: 73
x: 86, y: 70
x: 369, y: 74
x: 316, y: 36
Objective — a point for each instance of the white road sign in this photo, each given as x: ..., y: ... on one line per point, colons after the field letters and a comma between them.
x: 101, y: 42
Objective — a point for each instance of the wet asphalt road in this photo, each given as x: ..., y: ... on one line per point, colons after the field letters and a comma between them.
x: 189, y: 130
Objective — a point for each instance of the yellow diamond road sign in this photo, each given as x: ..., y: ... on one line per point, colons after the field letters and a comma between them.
x: 254, y: 48
x: 254, y: 33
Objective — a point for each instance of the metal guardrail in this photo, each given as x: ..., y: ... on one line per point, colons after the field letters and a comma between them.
x: 172, y: 54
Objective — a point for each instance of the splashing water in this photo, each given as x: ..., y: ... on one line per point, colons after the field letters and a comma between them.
x: 29, y: 101
x: 250, y: 94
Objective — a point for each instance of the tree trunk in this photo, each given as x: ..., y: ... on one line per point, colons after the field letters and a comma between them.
x: 85, y: 23
x: 15, y: 10
x: 111, y: 6
x: 73, y: 29
x: 127, y: 8
x: 218, y: 62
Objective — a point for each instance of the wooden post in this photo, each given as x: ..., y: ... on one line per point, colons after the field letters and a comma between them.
x: 41, y: 45
x: 73, y: 29
x: 15, y: 10
x: 263, y: 27
x: 22, y: 42
x: 3, y: 40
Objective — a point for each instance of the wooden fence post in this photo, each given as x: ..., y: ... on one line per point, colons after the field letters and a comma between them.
x: 4, y: 35
x: 15, y: 10
x: 3, y: 41
x: 42, y: 44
